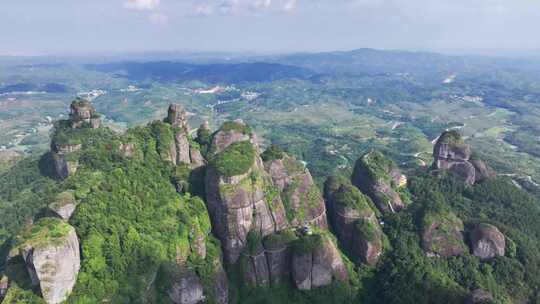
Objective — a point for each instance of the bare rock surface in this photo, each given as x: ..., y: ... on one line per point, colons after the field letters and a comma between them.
x: 51, y: 254
x: 242, y: 202
x: 317, y: 263
x: 379, y: 177
x: 487, y: 242
x: 450, y: 153
x: 64, y: 205
x: 186, y: 288
x: 302, y: 199
x: 353, y: 220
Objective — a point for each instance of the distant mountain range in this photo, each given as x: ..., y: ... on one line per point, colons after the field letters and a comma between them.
x: 212, y: 73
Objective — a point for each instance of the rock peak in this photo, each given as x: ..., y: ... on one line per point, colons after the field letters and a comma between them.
x: 177, y: 116
x: 453, y: 154
x: 82, y: 112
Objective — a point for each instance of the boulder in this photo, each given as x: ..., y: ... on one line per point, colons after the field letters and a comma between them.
x: 316, y: 262
x: 378, y: 177
x: 64, y: 205
x: 185, y: 288
x: 487, y: 242
x: 450, y: 153
x: 127, y: 150
x: 479, y: 296
x: 4, y: 286
x: 51, y: 253
x: 229, y: 133
x: 303, y: 201
x: 442, y: 234
x: 353, y: 220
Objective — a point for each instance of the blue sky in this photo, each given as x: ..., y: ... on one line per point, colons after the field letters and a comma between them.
x: 29, y: 27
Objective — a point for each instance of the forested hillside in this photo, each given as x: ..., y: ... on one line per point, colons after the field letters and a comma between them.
x: 162, y: 213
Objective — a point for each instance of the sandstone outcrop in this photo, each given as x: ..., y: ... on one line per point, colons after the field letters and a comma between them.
x: 185, y: 288
x: 64, y: 205
x: 181, y: 150
x: 353, y: 220
x: 451, y: 153
x: 65, y: 145
x: 268, y: 262
x: 316, y: 262
x: 83, y: 113
x: 487, y: 242
x: 379, y: 177
x: 51, y: 252
x: 479, y: 296
x: 302, y: 199
x: 127, y: 150
x: 238, y: 191
x: 442, y: 234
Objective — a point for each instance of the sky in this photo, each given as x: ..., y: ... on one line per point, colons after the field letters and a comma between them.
x: 35, y: 27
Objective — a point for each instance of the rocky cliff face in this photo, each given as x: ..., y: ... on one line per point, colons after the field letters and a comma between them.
x: 64, y: 150
x: 301, y: 197
x: 51, y: 253
x: 83, y: 113
x: 316, y: 262
x: 353, y: 220
x: 185, y: 288
x: 238, y: 190
x: 379, y: 178
x: 487, y: 242
x: 181, y: 150
x: 64, y: 205
x: 479, y: 296
x: 452, y: 154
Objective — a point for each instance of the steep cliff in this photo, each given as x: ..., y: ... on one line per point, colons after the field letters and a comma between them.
x: 316, y: 262
x: 302, y: 199
x: 380, y: 178
x: 353, y: 220
x: 451, y: 153
x: 239, y: 191
x: 50, y: 249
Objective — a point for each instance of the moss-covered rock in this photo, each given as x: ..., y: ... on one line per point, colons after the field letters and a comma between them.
x: 452, y: 154
x: 442, y: 233
x: 316, y: 262
x: 50, y: 249
x: 64, y: 204
x: 236, y: 159
x: 354, y: 220
x: 301, y: 198
x: 379, y: 178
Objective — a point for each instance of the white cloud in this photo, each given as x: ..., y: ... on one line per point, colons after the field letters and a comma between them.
x: 290, y: 6
x: 158, y: 19
x: 142, y: 5
x: 202, y: 10
x: 262, y: 3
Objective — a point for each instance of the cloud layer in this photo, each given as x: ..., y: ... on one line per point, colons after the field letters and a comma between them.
x: 142, y: 5
x: 471, y: 26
